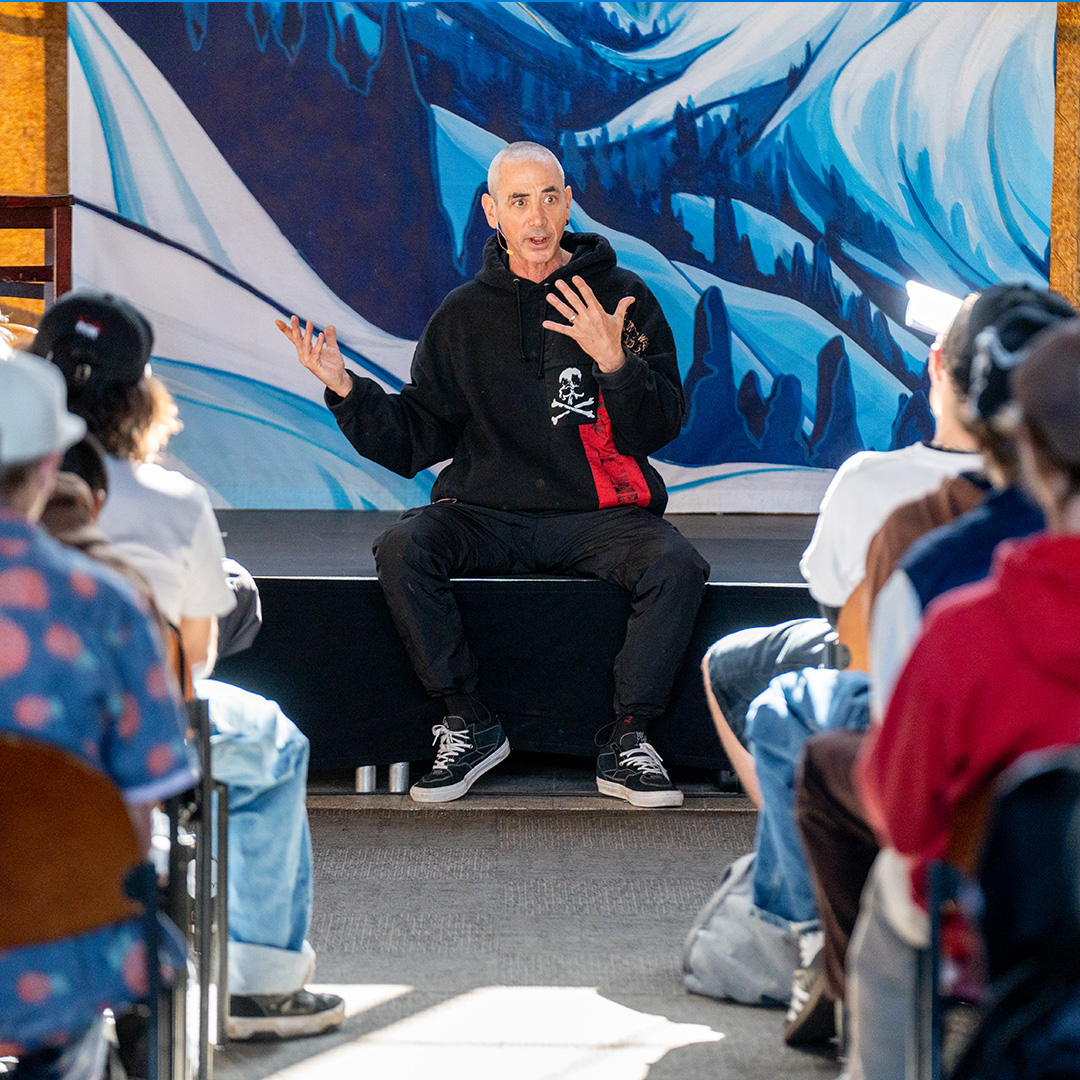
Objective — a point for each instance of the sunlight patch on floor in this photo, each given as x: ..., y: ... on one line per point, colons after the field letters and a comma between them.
x: 359, y: 997
x: 495, y: 1033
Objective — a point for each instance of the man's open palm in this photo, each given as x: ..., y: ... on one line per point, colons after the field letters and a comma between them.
x: 319, y: 354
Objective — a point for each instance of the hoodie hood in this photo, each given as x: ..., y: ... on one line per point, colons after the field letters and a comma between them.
x: 588, y: 251
x: 1039, y: 587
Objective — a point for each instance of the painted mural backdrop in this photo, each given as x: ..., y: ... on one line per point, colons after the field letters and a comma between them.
x: 775, y: 172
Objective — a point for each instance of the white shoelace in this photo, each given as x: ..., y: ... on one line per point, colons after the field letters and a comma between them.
x: 645, y: 759
x: 451, y: 745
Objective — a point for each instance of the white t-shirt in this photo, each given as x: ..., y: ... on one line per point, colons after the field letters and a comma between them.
x: 864, y: 491
x: 164, y: 523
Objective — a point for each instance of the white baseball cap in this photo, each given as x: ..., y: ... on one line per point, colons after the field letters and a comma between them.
x: 34, y: 420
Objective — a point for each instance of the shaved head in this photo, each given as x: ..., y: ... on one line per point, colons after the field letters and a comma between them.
x: 522, y: 151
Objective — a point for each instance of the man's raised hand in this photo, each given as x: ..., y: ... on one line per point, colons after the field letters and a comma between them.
x: 597, y: 332
x: 320, y: 355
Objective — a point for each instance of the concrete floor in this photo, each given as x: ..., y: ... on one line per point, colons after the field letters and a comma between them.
x: 530, y: 931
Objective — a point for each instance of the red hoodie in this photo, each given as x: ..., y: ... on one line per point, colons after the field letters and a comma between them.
x: 995, y: 674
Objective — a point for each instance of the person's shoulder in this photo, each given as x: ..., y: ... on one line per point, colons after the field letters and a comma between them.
x: 962, y: 616
x: 169, y: 482
x: 867, y: 462
x: 458, y: 306
x: 165, y: 490
x: 875, y: 466
x: 76, y: 575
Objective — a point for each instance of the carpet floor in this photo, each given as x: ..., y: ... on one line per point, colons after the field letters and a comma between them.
x: 522, y: 944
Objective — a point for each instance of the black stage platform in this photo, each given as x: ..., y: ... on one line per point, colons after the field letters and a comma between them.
x: 329, y: 654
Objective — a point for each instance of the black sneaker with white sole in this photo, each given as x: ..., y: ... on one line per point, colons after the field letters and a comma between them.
x: 631, y: 769
x: 811, y: 1015
x: 286, y: 1016
x: 465, y: 753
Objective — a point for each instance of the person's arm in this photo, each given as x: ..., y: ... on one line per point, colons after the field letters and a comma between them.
x: 142, y: 817
x: 199, y: 639
x: 741, y: 760
x: 894, y: 627
x: 404, y: 432
x: 906, y: 764
x: 824, y: 563
x: 634, y: 362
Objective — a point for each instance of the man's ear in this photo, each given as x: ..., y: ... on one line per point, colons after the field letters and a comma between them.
x: 488, y: 203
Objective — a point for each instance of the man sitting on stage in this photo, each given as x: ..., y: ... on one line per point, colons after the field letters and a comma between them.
x: 548, y: 422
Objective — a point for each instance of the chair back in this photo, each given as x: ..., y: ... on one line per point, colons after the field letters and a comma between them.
x: 67, y: 845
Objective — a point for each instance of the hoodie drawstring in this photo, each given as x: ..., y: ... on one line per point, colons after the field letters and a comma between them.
x: 521, y: 334
x: 521, y: 321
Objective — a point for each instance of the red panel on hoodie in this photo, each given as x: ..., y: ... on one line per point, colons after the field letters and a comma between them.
x: 619, y: 480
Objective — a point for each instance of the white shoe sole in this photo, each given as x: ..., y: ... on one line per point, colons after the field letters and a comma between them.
x: 639, y: 798
x: 284, y: 1027
x: 455, y: 791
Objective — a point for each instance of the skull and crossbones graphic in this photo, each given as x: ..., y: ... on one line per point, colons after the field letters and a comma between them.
x: 570, y: 395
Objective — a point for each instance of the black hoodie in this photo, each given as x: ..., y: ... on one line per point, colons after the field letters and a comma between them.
x: 529, y: 421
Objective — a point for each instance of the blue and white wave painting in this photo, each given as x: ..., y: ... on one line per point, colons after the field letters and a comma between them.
x: 775, y: 172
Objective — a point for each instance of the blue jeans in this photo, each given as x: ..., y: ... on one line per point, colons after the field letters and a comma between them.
x: 794, y: 706
x: 262, y: 756
x: 742, y: 664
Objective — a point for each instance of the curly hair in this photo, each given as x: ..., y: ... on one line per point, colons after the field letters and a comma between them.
x: 133, y: 421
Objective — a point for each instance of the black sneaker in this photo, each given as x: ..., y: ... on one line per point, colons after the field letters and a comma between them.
x: 631, y: 769
x: 288, y: 1016
x: 465, y: 754
x: 811, y: 1015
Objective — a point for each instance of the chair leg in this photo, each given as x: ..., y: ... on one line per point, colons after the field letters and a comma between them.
x: 365, y: 779
x: 221, y: 913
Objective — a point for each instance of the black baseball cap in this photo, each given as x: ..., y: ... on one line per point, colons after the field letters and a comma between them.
x: 95, y: 335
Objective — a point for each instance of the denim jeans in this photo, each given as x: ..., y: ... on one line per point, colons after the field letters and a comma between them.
x: 742, y: 664
x: 794, y: 706
x: 262, y: 756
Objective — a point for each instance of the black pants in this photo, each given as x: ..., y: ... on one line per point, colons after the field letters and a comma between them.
x: 665, y: 576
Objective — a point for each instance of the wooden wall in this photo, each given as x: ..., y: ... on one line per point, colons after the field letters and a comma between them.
x: 33, y: 122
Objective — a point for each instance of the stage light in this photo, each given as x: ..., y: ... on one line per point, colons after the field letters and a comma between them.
x: 930, y: 310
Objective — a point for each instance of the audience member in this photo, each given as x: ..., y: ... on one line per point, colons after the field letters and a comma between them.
x: 839, y: 844
x: 81, y: 668
x: 163, y: 523
x: 802, y: 700
x: 994, y: 675
x: 869, y: 485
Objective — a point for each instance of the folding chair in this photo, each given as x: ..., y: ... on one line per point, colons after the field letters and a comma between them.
x: 1029, y: 878
x: 69, y: 856
x: 202, y: 816
x: 1018, y: 833
x: 947, y: 880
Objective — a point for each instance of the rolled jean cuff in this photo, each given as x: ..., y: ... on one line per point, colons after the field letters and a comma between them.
x: 262, y: 969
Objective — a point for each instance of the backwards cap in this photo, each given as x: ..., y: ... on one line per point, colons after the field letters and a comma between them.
x: 95, y: 335
x: 1011, y: 317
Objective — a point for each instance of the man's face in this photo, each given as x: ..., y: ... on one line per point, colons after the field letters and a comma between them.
x: 532, y: 207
